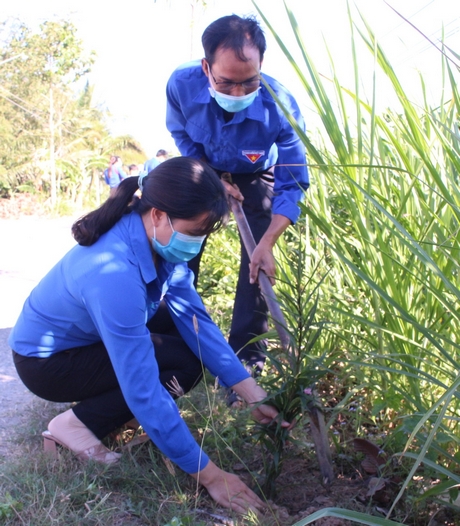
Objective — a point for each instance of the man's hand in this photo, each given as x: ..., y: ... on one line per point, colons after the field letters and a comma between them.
x: 232, y: 190
x: 262, y: 259
x: 228, y: 490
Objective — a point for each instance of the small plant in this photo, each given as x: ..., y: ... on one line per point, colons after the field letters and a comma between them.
x: 293, y: 373
x: 9, y: 506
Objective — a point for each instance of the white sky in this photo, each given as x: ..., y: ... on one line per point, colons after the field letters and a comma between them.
x: 139, y: 43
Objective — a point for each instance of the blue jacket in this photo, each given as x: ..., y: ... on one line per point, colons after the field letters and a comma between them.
x: 107, y: 292
x: 255, y: 139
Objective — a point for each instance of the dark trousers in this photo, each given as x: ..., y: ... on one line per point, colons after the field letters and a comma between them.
x: 249, y: 317
x: 85, y: 375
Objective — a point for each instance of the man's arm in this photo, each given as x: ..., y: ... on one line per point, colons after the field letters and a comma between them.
x: 291, y: 172
x: 291, y: 181
x: 262, y: 257
x: 176, y: 122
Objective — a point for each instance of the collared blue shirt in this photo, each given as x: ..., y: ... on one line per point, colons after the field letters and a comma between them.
x: 107, y: 292
x: 253, y: 140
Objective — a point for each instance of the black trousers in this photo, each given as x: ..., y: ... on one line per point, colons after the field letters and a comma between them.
x: 249, y: 316
x: 85, y: 375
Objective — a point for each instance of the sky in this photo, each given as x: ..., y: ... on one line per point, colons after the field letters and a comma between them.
x: 139, y: 43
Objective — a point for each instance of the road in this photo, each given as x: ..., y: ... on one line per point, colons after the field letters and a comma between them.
x: 30, y: 246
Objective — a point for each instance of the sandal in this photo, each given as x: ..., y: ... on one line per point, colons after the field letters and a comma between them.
x: 98, y: 453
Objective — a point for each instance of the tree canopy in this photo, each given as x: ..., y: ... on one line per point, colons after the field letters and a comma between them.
x: 54, y: 137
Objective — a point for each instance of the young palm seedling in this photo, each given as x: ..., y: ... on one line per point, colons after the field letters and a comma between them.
x: 293, y: 370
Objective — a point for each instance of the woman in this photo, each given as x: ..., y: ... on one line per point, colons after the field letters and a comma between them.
x: 92, y: 330
x: 114, y: 174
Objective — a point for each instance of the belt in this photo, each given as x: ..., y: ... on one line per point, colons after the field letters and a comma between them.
x: 266, y: 174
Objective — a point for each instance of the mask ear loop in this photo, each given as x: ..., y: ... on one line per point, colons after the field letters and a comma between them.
x: 170, y: 224
x: 154, y: 227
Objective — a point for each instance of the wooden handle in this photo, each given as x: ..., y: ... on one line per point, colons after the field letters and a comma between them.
x: 264, y: 282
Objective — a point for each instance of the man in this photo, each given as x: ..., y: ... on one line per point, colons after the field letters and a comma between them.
x: 152, y: 163
x: 221, y: 112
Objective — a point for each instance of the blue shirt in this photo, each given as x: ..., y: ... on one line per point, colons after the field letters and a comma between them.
x: 114, y: 176
x: 254, y: 139
x: 107, y: 292
x: 151, y: 164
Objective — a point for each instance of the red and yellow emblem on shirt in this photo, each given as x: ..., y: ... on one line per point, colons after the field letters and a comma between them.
x: 253, y: 155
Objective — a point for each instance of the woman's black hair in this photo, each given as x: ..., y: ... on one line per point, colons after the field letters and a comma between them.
x: 233, y: 32
x: 183, y: 187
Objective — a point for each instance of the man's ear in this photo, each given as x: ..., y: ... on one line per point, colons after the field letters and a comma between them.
x: 205, y: 66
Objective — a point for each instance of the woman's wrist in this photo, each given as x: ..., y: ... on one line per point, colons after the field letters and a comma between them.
x: 249, y: 391
x: 207, y: 475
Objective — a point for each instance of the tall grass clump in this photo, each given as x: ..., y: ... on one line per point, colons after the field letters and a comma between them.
x: 384, y: 237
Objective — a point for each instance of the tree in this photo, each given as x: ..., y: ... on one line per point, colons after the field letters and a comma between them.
x: 52, y: 132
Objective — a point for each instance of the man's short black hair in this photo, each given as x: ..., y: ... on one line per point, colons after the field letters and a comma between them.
x: 233, y: 32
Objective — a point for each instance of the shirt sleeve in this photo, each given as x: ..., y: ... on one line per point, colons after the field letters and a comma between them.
x: 176, y: 121
x: 291, y: 172
x: 199, y: 331
x: 116, y: 301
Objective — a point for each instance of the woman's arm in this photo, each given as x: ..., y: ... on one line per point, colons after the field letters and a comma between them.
x: 228, y: 489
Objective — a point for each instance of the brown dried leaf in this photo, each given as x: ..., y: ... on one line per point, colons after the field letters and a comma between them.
x: 375, y: 484
x: 370, y: 450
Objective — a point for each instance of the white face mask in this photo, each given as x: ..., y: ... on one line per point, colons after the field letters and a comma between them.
x: 231, y: 103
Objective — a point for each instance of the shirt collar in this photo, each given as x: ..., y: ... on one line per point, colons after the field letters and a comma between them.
x: 140, y: 245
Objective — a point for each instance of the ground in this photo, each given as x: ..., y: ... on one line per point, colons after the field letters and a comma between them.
x: 31, y: 244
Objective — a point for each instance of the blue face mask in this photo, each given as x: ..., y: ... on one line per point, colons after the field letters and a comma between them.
x: 180, y: 247
x: 231, y: 103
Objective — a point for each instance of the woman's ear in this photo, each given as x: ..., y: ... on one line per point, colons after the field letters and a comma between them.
x: 157, y: 216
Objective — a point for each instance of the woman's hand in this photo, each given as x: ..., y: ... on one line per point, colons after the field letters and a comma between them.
x: 265, y: 414
x: 228, y: 490
x: 252, y: 393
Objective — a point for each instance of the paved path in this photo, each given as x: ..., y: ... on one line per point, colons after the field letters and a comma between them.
x: 29, y: 247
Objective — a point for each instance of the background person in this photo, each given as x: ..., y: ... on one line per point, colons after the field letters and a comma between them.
x: 160, y: 157
x: 133, y: 170
x: 89, y: 333
x: 219, y: 111
x: 114, y: 173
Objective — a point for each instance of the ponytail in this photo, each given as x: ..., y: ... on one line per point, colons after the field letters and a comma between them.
x: 183, y: 187
x: 89, y: 228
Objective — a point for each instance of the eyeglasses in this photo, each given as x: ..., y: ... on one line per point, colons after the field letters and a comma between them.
x: 226, y: 86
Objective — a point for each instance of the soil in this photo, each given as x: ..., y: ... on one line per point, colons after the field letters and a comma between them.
x: 31, y: 243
